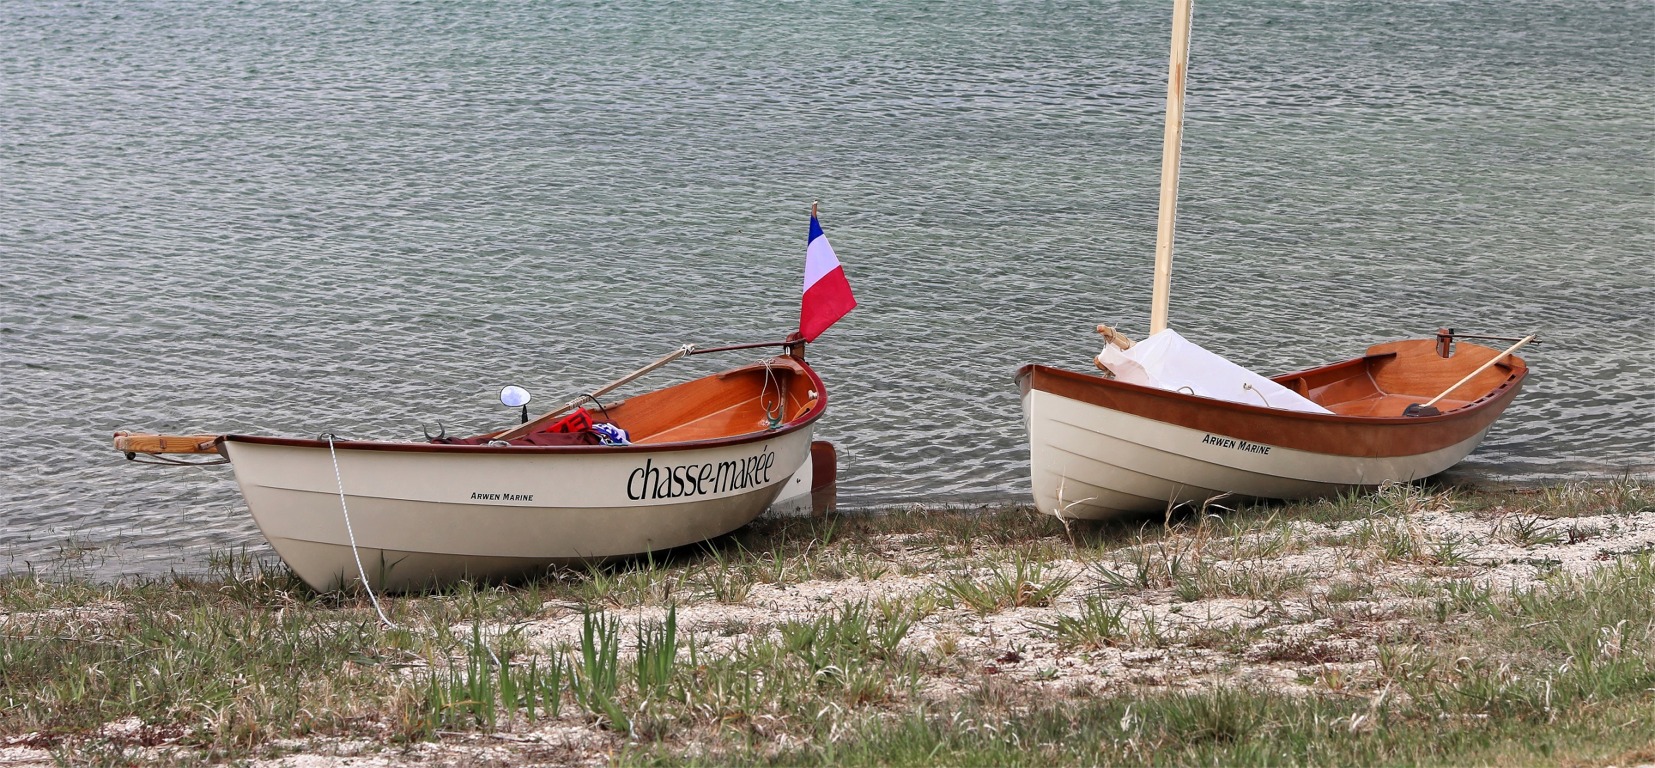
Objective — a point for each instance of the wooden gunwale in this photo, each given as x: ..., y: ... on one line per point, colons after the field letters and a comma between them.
x: 793, y: 425
x: 1330, y: 434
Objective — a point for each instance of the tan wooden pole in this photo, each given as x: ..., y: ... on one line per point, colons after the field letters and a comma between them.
x: 1172, y: 145
x: 1483, y: 367
x: 524, y: 429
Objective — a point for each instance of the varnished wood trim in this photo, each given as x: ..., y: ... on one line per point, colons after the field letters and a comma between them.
x: 800, y: 422
x: 1332, y: 434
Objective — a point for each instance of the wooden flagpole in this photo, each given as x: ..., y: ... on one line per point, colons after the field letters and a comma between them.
x: 1172, y: 145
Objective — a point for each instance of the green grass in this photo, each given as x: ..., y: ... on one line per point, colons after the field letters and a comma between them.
x: 1099, y: 624
x: 1581, y: 689
x: 1021, y: 581
x: 1402, y: 649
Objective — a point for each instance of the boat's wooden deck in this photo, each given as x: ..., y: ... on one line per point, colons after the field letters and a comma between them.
x: 737, y: 419
x: 1393, y: 376
x: 1386, y: 406
x: 714, y: 407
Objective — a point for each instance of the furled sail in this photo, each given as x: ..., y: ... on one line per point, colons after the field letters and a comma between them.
x: 1171, y: 362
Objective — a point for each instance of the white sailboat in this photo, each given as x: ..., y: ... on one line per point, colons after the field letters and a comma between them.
x: 1167, y: 423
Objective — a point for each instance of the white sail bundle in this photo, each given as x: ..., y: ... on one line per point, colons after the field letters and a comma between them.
x: 1171, y: 362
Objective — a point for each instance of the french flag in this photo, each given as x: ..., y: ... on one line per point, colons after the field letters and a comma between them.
x: 827, y: 295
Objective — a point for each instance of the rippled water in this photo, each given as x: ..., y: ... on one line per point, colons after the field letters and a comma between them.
x: 291, y: 218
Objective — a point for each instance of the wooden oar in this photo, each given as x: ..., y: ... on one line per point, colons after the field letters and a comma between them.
x: 525, y: 429
x: 1480, y: 369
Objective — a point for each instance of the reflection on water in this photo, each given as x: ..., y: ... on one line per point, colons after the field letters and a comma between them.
x: 294, y: 219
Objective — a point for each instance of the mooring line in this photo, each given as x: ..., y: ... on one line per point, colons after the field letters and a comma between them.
x: 360, y: 571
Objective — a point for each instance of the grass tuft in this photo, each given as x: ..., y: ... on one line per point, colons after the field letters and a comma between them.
x: 1024, y: 582
x: 1388, y: 628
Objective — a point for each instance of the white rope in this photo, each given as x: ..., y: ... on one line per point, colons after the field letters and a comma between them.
x: 360, y: 571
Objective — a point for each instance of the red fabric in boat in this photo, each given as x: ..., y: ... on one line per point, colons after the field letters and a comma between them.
x: 574, y: 429
x: 587, y: 437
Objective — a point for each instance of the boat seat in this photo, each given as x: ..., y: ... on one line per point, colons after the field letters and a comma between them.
x: 1298, y: 385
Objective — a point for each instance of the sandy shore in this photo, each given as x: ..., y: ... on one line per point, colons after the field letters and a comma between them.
x: 1302, y: 601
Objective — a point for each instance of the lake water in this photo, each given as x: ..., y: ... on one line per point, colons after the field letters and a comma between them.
x: 303, y: 217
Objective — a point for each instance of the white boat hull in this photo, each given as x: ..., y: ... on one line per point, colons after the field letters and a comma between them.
x: 1092, y: 462
x: 418, y: 518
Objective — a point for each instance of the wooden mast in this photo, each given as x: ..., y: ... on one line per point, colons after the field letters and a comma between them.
x: 1172, y: 144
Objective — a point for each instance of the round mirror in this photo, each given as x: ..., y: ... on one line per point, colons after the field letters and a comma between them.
x: 514, y: 396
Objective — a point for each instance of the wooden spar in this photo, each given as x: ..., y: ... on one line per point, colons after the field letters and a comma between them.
x: 1171, y: 146
x: 531, y: 426
x: 1483, y: 367
x: 126, y: 442
x: 788, y: 342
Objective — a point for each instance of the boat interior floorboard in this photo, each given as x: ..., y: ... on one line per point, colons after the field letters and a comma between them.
x: 1387, y: 406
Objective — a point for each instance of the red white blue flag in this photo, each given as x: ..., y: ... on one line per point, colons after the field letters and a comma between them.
x: 827, y: 295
